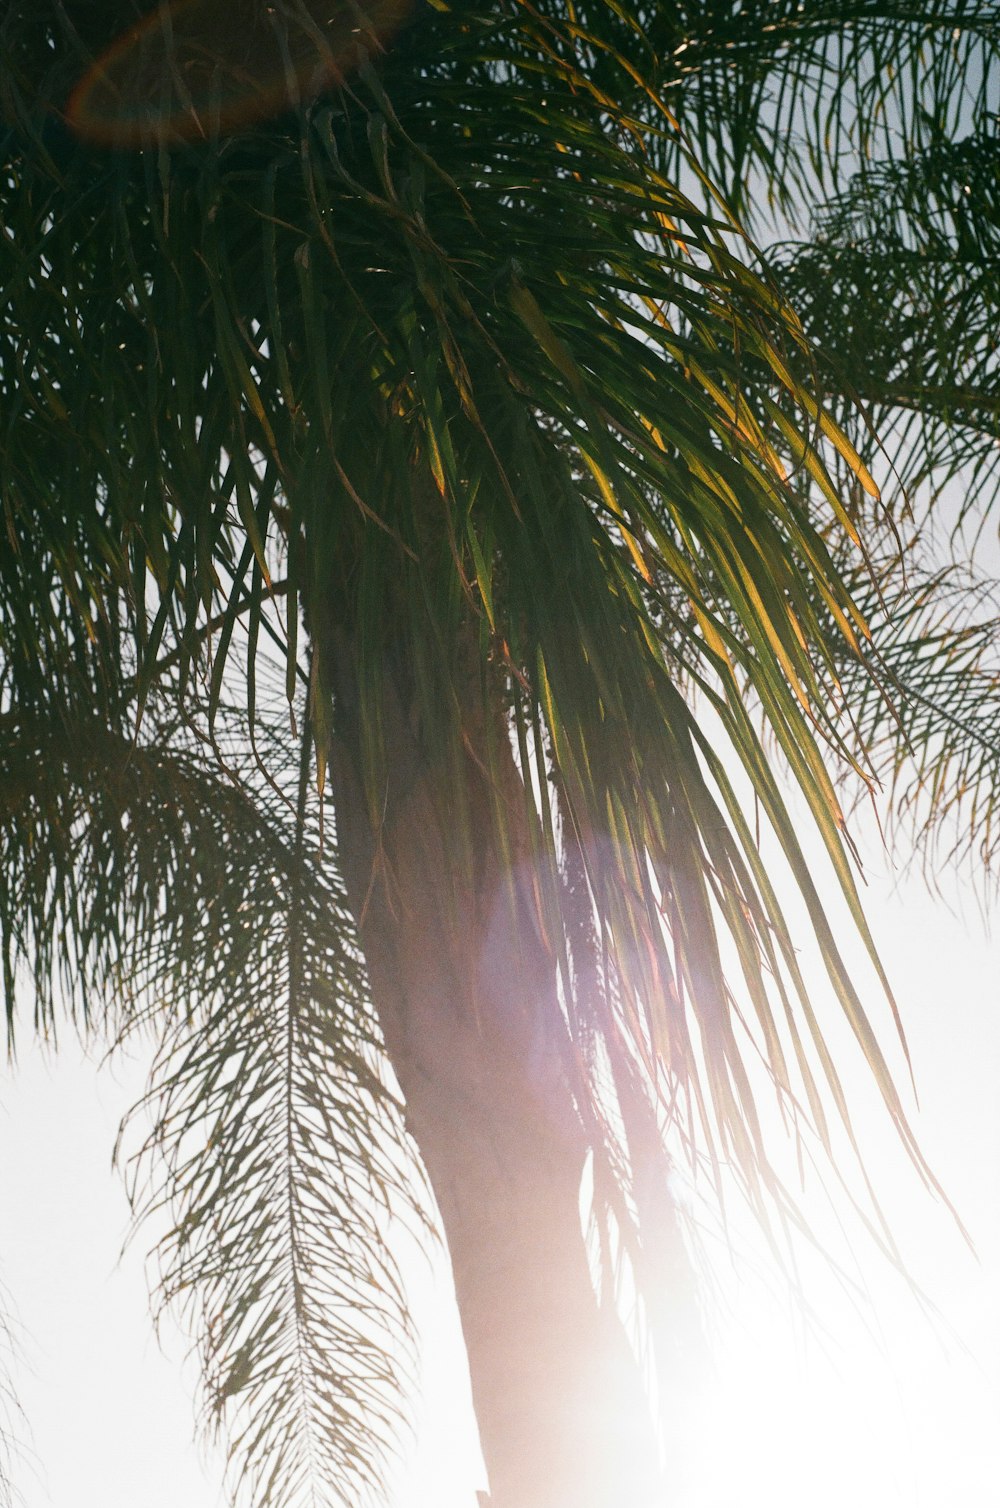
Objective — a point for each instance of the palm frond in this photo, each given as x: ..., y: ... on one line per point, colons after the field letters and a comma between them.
x: 934, y: 736
x: 784, y: 99
x: 900, y: 291
x: 168, y: 894
x: 278, y: 1152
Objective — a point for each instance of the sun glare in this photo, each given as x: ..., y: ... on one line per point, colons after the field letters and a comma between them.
x: 861, y: 1405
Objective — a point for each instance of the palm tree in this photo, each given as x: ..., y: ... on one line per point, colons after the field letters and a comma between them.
x: 428, y: 518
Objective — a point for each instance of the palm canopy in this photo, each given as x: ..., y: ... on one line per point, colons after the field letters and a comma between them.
x: 462, y: 368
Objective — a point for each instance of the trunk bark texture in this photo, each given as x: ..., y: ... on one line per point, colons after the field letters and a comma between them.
x: 466, y: 994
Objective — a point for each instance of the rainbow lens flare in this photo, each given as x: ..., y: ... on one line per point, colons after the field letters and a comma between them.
x: 190, y: 70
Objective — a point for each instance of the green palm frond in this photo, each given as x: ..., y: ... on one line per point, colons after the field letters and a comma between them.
x: 98, y: 835
x: 934, y: 740
x: 784, y: 98
x: 158, y: 887
x: 900, y: 291
x: 278, y: 1152
x: 271, y: 1140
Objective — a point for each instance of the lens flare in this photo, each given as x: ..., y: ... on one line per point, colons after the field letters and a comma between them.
x: 194, y: 69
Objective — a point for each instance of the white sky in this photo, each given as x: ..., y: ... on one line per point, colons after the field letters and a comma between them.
x: 908, y: 1422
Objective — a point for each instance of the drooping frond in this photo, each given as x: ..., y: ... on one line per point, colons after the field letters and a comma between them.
x: 169, y: 894
x: 277, y: 1150
x: 112, y: 845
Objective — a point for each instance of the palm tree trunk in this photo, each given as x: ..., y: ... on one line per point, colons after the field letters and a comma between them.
x: 466, y: 995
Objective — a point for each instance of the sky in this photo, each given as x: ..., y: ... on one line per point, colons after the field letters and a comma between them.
x: 877, y: 1404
